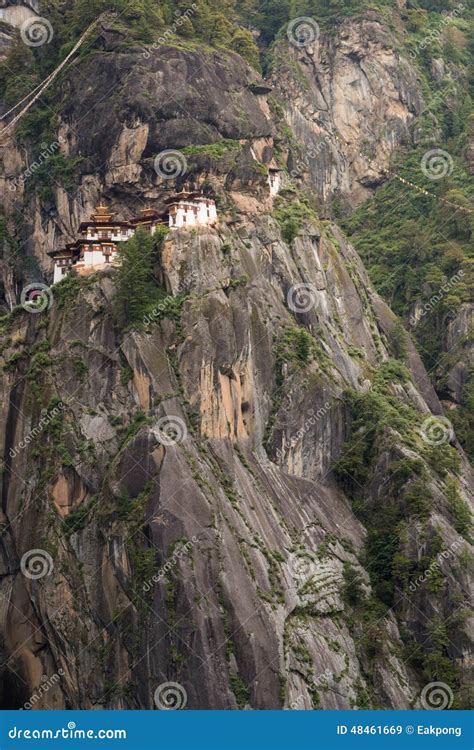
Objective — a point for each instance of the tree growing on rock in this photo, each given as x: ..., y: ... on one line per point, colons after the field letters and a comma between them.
x: 137, y: 285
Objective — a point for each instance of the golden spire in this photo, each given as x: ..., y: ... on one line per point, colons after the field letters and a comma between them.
x: 101, y: 213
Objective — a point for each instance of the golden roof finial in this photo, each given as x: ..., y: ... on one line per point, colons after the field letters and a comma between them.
x: 101, y: 213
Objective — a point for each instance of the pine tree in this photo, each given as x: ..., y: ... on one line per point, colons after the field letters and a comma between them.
x: 136, y: 285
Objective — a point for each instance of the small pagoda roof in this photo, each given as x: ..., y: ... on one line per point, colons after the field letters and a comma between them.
x: 273, y: 166
x: 147, y: 215
x: 102, y: 217
x: 64, y: 252
x: 184, y: 196
x: 101, y: 213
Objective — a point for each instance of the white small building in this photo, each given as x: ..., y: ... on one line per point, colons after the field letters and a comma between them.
x: 190, y: 210
x: 274, y: 179
x: 149, y: 220
x: 96, y: 247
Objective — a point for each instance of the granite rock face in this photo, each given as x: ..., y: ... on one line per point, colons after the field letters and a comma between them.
x: 349, y: 99
x: 224, y: 556
x: 216, y: 559
x: 117, y: 114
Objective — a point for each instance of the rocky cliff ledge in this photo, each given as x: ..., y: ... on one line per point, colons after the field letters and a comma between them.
x: 225, y: 558
x: 350, y: 99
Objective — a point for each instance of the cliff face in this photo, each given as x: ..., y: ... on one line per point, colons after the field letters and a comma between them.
x: 120, y: 110
x: 217, y: 557
x: 350, y: 99
x: 186, y: 485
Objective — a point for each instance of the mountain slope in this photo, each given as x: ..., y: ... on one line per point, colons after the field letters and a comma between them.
x: 252, y: 490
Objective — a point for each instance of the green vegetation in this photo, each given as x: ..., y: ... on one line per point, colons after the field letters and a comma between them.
x: 295, y: 346
x: 436, y: 271
x: 381, y: 422
x: 383, y: 230
x: 418, y: 248
x: 146, y: 22
x: 137, y: 289
x: 372, y: 414
x: 459, y: 509
x: 240, y: 690
x: 78, y: 519
x: 292, y: 209
x: 56, y: 168
x: 217, y: 150
x: 434, y: 662
x: 353, y: 592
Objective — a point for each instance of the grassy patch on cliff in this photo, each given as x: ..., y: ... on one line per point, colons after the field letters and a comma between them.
x: 217, y: 149
x: 292, y: 211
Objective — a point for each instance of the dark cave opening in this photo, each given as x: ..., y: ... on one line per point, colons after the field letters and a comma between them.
x: 13, y: 691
